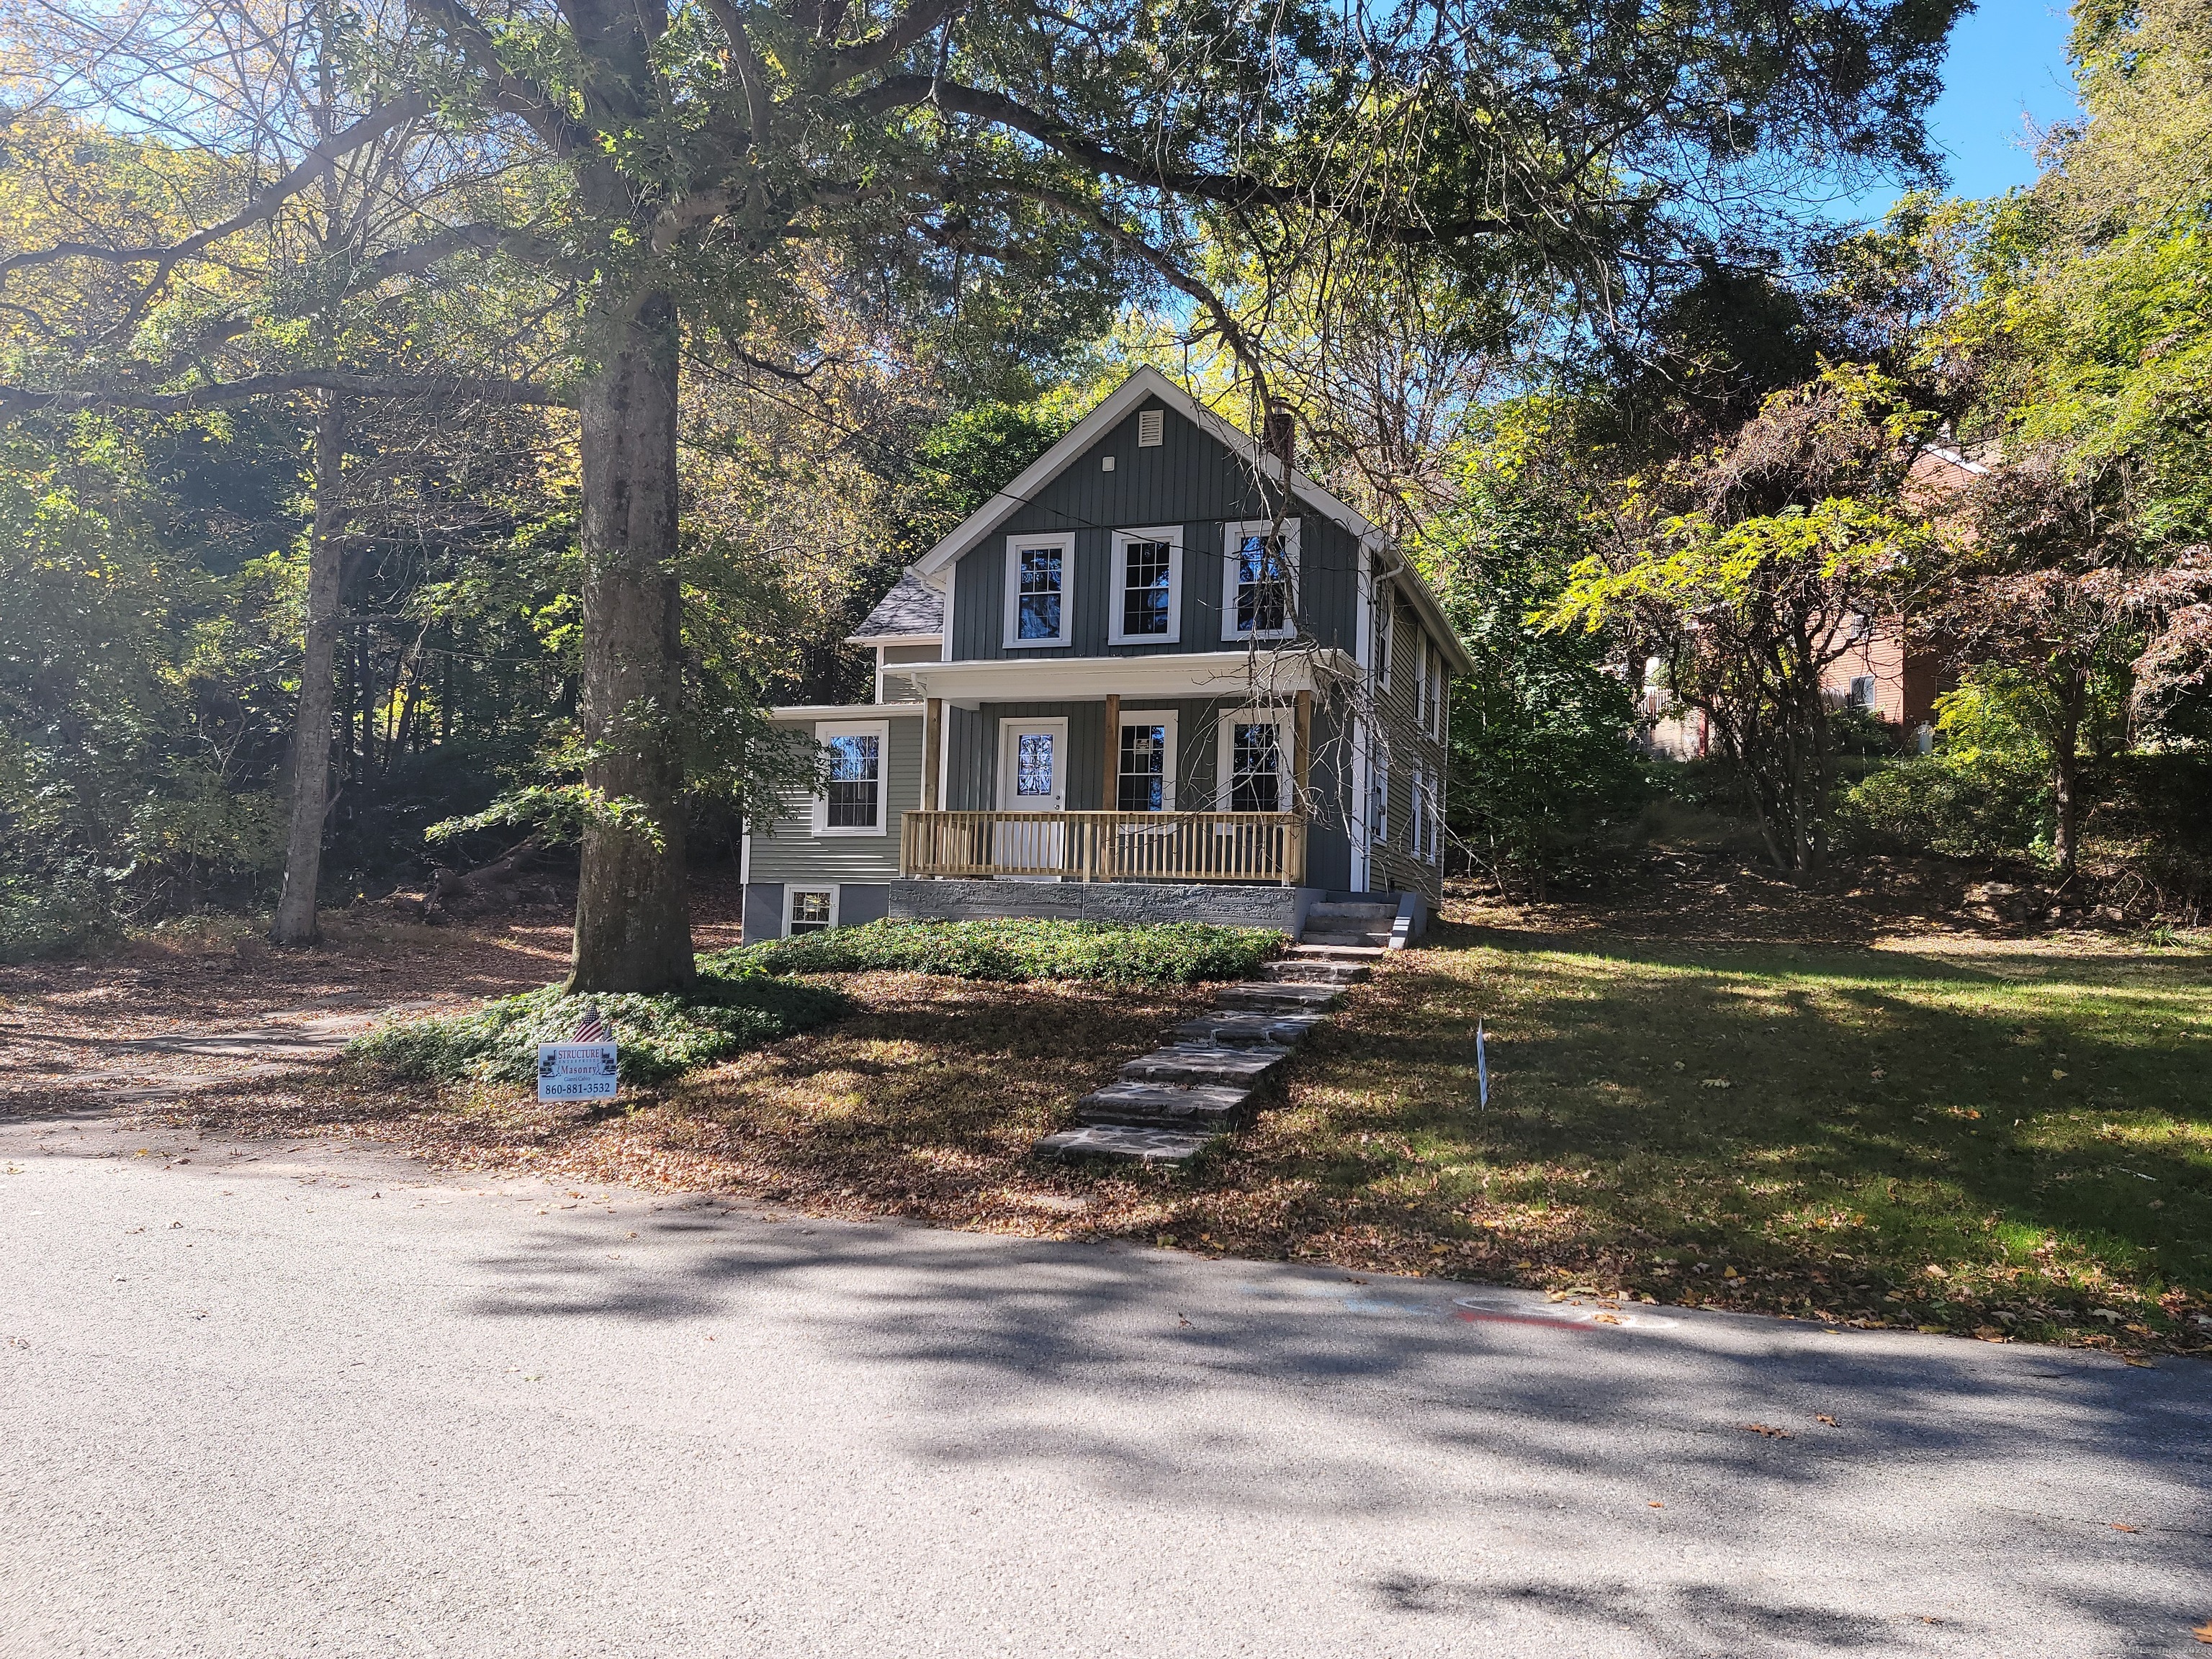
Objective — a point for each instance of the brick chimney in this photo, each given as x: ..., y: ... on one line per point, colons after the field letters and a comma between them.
x: 1279, y: 434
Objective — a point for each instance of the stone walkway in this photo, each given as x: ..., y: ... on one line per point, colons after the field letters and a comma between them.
x: 1167, y: 1105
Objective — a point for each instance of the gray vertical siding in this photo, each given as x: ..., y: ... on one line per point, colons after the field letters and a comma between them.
x: 1190, y: 480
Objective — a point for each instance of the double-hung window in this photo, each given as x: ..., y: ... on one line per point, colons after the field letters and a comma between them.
x: 1147, y: 586
x: 1144, y: 765
x: 1040, y: 577
x: 1260, y: 580
x: 852, y: 799
x: 1254, y: 760
x: 1378, y: 797
x: 809, y: 910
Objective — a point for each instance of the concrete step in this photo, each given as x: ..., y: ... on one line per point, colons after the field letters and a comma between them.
x: 1271, y: 994
x: 1315, y: 970
x: 1357, y: 912
x: 1205, y: 1107
x: 1241, y: 1028
x: 1188, y: 1063
x: 1305, y: 951
x: 1124, y: 1140
x: 1338, y: 938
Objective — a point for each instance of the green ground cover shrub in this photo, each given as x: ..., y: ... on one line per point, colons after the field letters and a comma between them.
x: 1979, y: 805
x: 53, y: 918
x: 731, y: 1008
x: 1171, y: 953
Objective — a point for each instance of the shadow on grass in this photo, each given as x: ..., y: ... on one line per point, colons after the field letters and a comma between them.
x: 2054, y: 1133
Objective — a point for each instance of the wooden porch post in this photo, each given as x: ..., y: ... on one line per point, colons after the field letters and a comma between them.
x: 1110, y: 800
x: 932, y: 742
x: 1294, y: 873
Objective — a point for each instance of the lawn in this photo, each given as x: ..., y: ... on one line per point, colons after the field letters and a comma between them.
x: 2007, y: 1138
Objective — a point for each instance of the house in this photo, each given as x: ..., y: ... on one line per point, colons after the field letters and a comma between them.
x: 1163, y: 675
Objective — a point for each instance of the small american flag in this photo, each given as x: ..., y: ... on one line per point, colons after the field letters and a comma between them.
x: 592, y: 1030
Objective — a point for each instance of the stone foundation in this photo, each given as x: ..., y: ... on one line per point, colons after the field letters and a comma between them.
x: 1225, y: 906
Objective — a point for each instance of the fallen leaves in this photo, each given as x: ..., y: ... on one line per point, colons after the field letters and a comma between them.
x: 1766, y: 1429
x: 1822, y: 1417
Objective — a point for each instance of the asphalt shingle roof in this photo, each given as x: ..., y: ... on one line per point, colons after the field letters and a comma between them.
x: 909, y: 607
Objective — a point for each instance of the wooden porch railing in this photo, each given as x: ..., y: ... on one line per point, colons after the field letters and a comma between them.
x: 1247, y: 846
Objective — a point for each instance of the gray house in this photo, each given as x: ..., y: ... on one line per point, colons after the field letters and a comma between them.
x: 1163, y: 675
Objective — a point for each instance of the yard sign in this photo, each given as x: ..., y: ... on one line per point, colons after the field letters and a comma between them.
x: 582, y: 1070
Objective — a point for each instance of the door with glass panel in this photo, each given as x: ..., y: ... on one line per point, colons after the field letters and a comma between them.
x: 1032, y: 778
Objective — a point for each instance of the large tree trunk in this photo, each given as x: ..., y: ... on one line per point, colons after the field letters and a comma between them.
x: 311, y: 724
x: 633, y: 909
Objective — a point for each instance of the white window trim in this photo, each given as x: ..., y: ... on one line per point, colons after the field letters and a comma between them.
x: 1012, y: 639
x: 1164, y: 718
x: 791, y: 891
x: 1421, y: 680
x: 1172, y: 535
x: 1420, y: 803
x: 1224, y: 755
x: 1232, y: 536
x: 1386, y: 635
x: 881, y: 731
x: 1378, y: 797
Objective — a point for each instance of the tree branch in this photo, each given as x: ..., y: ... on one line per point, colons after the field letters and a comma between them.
x: 511, y: 94
x: 263, y: 205
x: 15, y: 400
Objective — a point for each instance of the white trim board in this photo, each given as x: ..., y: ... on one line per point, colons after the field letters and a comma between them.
x: 1164, y: 674
x: 881, y: 732
x: 1063, y: 543
x: 1117, y: 595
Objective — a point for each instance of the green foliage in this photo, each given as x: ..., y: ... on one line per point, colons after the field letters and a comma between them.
x: 732, y: 1008
x: 53, y: 918
x: 1965, y: 803
x: 1540, y: 756
x: 1173, y: 953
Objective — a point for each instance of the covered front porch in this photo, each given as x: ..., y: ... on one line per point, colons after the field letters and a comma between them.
x: 1246, y: 848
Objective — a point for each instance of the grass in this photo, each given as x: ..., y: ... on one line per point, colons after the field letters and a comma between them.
x: 2002, y: 1143
x: 2011, y: 1139
x: 1174, y: 953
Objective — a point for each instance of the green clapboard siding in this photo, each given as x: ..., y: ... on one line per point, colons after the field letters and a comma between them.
x: 794, y: 853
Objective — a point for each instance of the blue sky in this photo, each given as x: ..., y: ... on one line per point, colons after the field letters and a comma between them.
x: 2006, y: 59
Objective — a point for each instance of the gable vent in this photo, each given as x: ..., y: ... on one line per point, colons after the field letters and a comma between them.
x: 1152, y: 428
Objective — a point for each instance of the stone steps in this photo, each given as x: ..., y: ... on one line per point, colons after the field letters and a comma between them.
x: 1275, y: 996
x: 1242, y: 1027
x: 1315, y: 970
x: 1188, y: 1063
x: 1167, y: 1105
x: 1201, y: 1107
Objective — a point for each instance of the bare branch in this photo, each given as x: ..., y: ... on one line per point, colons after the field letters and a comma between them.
x: 16, y: 400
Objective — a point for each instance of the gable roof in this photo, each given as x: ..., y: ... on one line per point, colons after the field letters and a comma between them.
x: 912, y: 610
x: 1146, y: 383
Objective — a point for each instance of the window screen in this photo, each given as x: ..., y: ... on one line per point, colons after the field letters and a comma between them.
x: 856, y: 781
x: 1147, y: 576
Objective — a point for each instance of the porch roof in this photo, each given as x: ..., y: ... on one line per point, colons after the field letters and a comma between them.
x: 1164, y: 674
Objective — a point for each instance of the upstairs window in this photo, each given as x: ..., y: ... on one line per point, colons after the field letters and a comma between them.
x: 852, y: 800
x: 1038, y: 568
x: 1148, y: 586
x: 1259, y: 598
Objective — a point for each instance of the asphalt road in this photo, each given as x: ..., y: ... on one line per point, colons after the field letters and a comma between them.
x: 309, y: 1400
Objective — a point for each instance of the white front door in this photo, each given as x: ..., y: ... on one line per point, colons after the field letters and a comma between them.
x: 1032, y: 778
